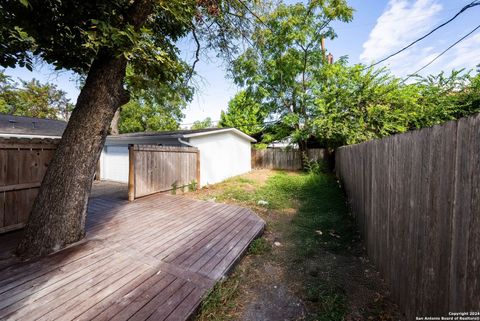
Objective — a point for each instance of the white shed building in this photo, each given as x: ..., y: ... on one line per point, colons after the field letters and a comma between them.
x: 224, y: 152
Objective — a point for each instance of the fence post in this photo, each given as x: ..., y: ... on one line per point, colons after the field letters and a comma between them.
x: 131, y: 173
x: 198, y: 169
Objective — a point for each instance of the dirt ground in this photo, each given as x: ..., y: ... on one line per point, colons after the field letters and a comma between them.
x: 274, y: 285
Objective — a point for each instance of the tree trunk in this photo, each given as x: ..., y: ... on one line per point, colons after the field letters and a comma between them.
x: 59, y: 211
x: 58, y: 214
x: 114, y: 125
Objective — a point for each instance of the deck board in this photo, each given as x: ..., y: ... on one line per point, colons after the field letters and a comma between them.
x: 151, y: 259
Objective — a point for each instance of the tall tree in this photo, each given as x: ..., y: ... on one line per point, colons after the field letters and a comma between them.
x: 201, y: 124
x: 245, y: 113
x: 98, y: 39
x: 33, y: 99
x: 285, y: 55
x: 43, y: 101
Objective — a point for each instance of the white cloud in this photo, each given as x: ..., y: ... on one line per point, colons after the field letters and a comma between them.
x: 402, y: 22
x: 410, y: 61
x: 466, y: 54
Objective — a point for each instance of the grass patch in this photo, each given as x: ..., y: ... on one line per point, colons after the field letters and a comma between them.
x: 236, y: 193
x: 220, y: 301
x: 278, y: 191
x: 323, y: 218
x: 259, y: 246
x: 244, y: 180
x: 330, y: 300
x: 321, y: 222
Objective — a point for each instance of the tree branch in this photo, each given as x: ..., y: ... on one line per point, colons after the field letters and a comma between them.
x: 139, y: 12
x: 197, y: 55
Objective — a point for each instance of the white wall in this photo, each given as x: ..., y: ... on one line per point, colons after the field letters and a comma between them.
x: 114, y: 163
x: 222, y: 155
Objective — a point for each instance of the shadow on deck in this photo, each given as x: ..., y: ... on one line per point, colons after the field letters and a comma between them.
x: 152, y: 259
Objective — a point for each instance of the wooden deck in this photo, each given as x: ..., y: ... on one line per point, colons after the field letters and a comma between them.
x: 152, y: 259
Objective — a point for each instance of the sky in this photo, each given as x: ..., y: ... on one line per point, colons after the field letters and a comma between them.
x: 379, y: 28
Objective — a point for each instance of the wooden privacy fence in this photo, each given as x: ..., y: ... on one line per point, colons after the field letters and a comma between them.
x: 23, y: 163
x: 156, y: 169
x: 280, y: 158
x: 416, y: 197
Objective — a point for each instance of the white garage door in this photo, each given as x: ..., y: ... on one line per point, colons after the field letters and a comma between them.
x: 115, y: 164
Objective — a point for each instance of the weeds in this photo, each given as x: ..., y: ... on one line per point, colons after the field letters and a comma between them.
x: 259, y: 246
x: 245, y: 180
x: 323, y: 218
x: 330, y: 300
x: 220, y: 300
x: 192, y: 186
x: 321, y: 222
x: 174, y: 188
x: 315, y: 166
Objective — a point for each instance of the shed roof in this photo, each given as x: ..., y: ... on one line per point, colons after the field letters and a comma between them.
x: 21, y: 126
x: 181, y: 134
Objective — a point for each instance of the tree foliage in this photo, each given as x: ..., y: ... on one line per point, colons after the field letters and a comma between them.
x: 447, y: 96
x: 304, y: 97
x: 201, y: 124
x: 285, y: 55
x: 136, y: 116
x: 154, y: 105
x: 99, y: 40
x: 33, y: 99
x: 354, y: 104
x: 72, y: 34
x: 244, y: 113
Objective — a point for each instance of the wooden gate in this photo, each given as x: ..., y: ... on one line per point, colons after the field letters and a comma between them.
x: 23, y: 163
x: 154, y: 169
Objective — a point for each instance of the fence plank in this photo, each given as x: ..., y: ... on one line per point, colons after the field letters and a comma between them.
x: 416, y: 198
x: 23, y: 163
x: 461, y: 216
x: 473, y: 261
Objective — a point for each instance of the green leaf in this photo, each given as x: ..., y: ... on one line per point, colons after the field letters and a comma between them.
x: 25, y: 3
